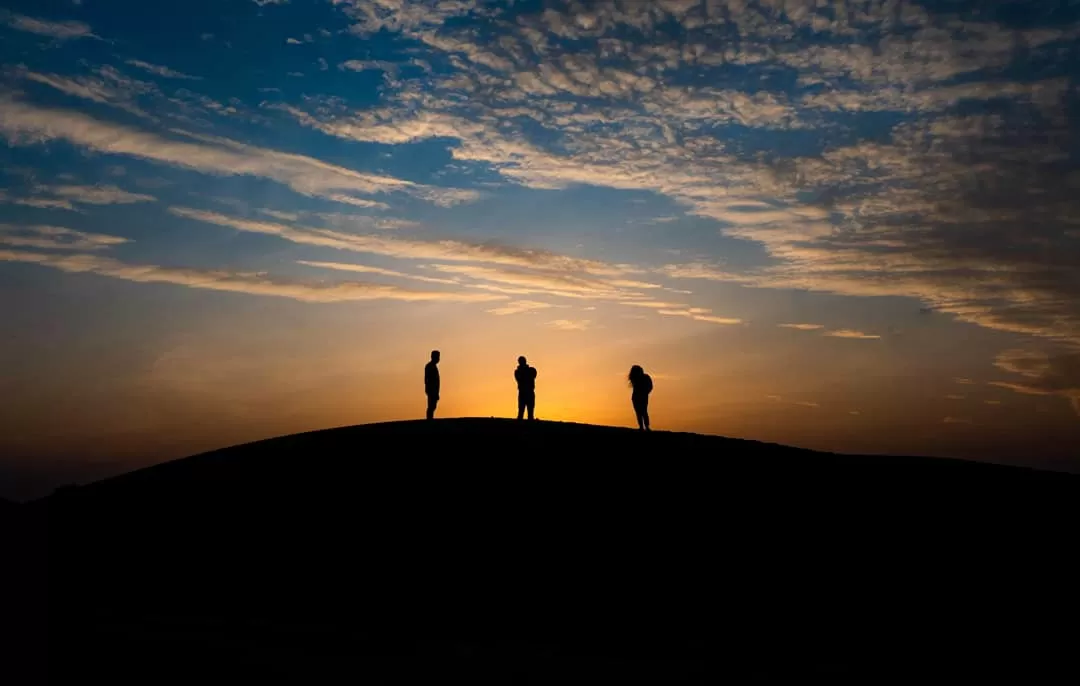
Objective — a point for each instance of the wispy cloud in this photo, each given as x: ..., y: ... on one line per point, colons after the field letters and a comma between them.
x: 851, y: 333
x: 44, y: 237
x: 800, y: 403
x: 369, y: 65
x: 1042, y: 373
x: 519, y: 307
x: 562, y: 283
x: 281, y: 216
x: 365, y: 269
x: 802, y: 327
x: 405, y: 248
x: 235, y: 282
x: 60, y: 30
x: 669, y: 309
x: 105, y: 85
x: 40, y: 203
x: 956, y: 420
x: 569, y: 324
x: 96, y: 195
x: 501, y: 269
x: 162, y: 71
x: 25, y: 124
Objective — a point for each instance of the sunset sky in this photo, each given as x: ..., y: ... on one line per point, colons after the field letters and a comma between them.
x: 847, y: 226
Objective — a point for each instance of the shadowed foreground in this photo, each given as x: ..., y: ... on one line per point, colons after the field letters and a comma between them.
x: 494, y: 551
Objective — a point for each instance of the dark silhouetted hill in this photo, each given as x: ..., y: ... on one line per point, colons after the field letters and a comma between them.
x: 496, y: 551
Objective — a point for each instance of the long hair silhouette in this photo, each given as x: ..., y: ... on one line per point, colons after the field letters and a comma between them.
x: 636, y: 373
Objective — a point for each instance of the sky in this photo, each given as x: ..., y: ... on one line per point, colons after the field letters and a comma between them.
x: 849, y: 226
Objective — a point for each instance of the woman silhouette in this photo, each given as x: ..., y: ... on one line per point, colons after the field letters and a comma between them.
x: 642, y: 385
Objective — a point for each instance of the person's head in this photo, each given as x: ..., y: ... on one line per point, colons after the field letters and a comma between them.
x: 636, y: 372
x: 435, y: 355
x: 521, y: 361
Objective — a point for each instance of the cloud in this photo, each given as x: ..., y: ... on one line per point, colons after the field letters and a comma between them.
x: 162, y: 71
x: 519, y: 307
x: 364, y: 269
x: 96, y: 195
x: 404, y: 248
x: 699, y: 314
x: 24, y: 124
x: 60, y: 30
x: 873, y: 211
x: 370, y: 65
x: 569, y: 325
x: 358, y: 202
x: 801, y: 403
x: 248, y: 283
x: 106, y: 86
x: 358, y: 222
x: 281, y: 216
x: 44, y: 237
x: 669, y: 309
x: 499, y: 269
x: 956, y: 420
x: 802, y: 327
x: 850, y: 333
x: 371, y: 16
x: 40, y: 203
x: 528, y: 278
x: 1042, y: 373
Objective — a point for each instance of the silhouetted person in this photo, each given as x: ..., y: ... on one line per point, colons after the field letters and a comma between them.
x: 431, y: 383
x: 642, y: 385
x: 526, y: 383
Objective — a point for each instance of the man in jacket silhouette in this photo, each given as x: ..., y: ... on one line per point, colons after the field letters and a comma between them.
x: 431, y: 383
x: 526, y: 383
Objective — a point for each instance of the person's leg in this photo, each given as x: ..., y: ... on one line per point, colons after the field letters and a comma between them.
x: 431, y: 403
x: 645, y: 412
x: 638, y: 414
x: 521, y: 405
x: 532, y: 404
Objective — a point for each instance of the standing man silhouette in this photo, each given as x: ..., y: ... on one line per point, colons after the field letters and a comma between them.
x: 431, y: 383
x: 526, y: 383
x: 642, y: 385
